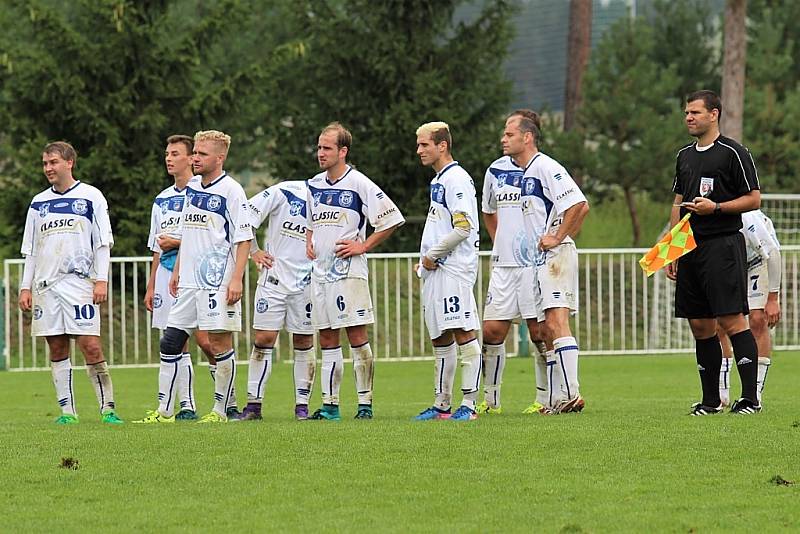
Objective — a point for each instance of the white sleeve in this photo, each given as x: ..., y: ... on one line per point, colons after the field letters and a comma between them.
x: 447, y: 244
x: 155, y: 215
x: 240, y: 214
x: 381, y: 210
x: 102, y: 261
x: 774, y: 271
x: 261, y: 205
x: 27, y: 272
x: 460, y: 196
x: 488, y: 200
x: 28, y: 236
x: 564, y: 192
x: 101, y: 227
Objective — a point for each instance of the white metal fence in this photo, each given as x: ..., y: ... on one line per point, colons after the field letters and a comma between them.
x: 622, y: 311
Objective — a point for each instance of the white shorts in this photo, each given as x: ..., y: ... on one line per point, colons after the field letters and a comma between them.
x: 66, y: 308
x: 557, y: 280
x: 274, y: 309
x: 341, y: 304
x: 757, y: 286
x: 205, y: 309
x: 162, y: 300
x: 448, y: 304
x: 510, y: 294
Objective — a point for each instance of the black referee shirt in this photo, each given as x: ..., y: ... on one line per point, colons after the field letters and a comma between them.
x: 721, y: 172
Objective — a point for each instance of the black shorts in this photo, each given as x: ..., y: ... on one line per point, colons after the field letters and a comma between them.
x: 712, y: 279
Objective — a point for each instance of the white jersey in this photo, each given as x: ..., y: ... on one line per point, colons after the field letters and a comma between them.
x: 501, y: 195
x: 215, y: 217
x: 453, y: 191
x: 63, y: 230
x: 284, y: 206
x: 547, y: 192
x: 165, y: 218
x: 759, y: 236
x: 341, y: 210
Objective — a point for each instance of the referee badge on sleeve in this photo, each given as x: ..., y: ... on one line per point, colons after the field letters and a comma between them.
x: 706, y: 186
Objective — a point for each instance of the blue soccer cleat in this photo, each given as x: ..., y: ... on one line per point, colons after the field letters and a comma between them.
x: 432, y: 413
x: 464, y: 413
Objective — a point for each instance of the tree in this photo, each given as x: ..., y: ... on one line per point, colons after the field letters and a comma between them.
x: 579, y: 45
x: 733, y: 68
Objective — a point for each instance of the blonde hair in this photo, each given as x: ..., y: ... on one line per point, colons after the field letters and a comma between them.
x: 221, y: 139
x: 343, y: 136
x: 439, y: 131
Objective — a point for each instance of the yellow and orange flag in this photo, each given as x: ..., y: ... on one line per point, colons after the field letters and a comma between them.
x: 676, y: 243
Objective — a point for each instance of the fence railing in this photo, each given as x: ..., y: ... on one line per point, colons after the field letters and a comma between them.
x: 621, y: 311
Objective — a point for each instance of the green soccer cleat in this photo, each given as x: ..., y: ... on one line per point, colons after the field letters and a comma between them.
x: 110, y: 417
x: 67, y: 419
x: 328, y: 412
x: 535, y: 408
x: 154, y: 417
x: 490, y: 410
x: 186, y: 415
x: 213, y: 417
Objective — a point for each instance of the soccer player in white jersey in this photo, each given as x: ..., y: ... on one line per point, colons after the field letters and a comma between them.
x: 763, y: 285
x: 341, y: 201
x: 176, y: 377
x: 449, y: 269
x: 509, y: 296
x: 215, y: 234
x: 283, y: 294
x: 554, y: 209
x: 67, y: 248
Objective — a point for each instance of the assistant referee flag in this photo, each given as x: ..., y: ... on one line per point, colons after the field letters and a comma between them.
x: 676, y: 243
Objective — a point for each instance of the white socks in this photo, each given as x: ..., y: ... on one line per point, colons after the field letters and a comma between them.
x: 305, y: 367
x: 101, y: 380
x: 444, y: 375
x: 494, y: 362
x: 331, y: 376
x: 724, y: 381
x: 540, y: 369
x: 224, y: 378
x: 212, y: 369
x: 167, y: 383
x: 186, y: 383
x: 763, y: 368
x: 364, y: 369
x: 566, y: 349
x: 62, y: 380
x: 258, y: 373
x: 470, y: 372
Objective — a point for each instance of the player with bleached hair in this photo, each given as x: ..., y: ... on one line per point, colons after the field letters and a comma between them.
x: 449, y: 269
x: 341, y: 201
x: 763, y: 290
x: 510, y: 296
x: 283, y: 294
x: 554, y: 208
x: 215, y: 234
x: 67, y: 248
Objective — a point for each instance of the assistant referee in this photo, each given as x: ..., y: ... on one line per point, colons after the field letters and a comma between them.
x: 715, y: 180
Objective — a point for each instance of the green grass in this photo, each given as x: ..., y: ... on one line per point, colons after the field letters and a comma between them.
x: 633, y: 461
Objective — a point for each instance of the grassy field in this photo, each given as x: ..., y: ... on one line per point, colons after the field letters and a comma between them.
x: 633, y: 461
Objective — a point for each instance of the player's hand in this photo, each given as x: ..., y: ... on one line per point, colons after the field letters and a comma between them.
x: 702, y: 206
x: 148, y: 299
x: 349, y: 247
x: 773, y: 312
x: 262, y: 259
x: 549, y: 241
x: 100, y: 292
x: 173, y: 283
x: 165, y: 242
x: 25, y: 300
x: 672, y: 270
x: 234, y: 292
x: 429, y: 264
x: 310, y: 251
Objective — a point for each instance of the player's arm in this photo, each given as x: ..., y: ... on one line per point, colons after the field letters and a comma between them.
x: 571, y: 223
x: 310, y: 244
x: 260, y: 257
x: 25, y: 296
x: 448, y: 243
x: 175, y: 278
x: 490, y: 220
x: 351, y: 247
x: 166, y: 242
x: 747, y: 202
x: 102, y: 263
x: 773, y: 308
x: 151, y: 283
x: 235, y: 288
x: 674, y: 217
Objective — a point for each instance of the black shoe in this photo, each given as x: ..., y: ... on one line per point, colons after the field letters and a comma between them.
x: 364, y: 411
x: 700, y: 409
x: 745, y: 407
x: 233, y: 413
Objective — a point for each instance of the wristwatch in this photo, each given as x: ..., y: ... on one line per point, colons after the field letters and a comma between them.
x: 717, y: 209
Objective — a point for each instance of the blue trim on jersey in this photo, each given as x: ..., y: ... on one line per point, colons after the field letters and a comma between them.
x: 206, y: 201
x: 174, y: 203
x: 532, y: 187
x: 438, y: 194
x: 349, y: 168
x: 66, y: 206
x: 224, y: 174
x: 53, y: 189
x: 294, y: 201
x: 507, y: 177
x: 339, y: 198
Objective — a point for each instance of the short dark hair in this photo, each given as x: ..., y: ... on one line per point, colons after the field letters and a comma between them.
x: 529, y: 121
x: 185, y: 140
x: 710, y: 99
x: 63, y: 149
x: 343, y: 136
